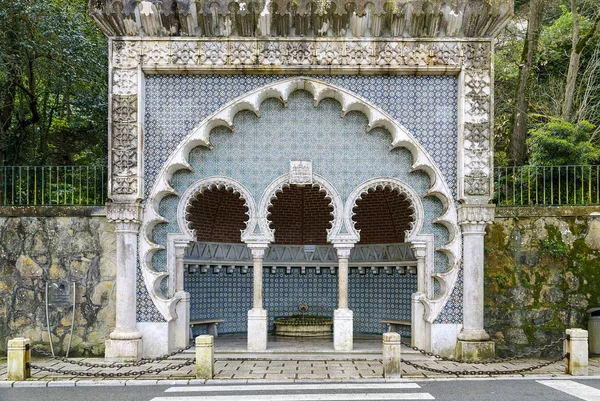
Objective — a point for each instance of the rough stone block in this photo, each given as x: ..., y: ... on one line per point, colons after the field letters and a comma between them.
x: 576, y: 345
x: 19, y: 356
x: 475, y: 350
x: 205, y: 357
x: 391, y: 356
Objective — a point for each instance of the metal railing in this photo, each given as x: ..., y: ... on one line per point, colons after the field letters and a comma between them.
x: 53, y: 185
x: 548, y: 185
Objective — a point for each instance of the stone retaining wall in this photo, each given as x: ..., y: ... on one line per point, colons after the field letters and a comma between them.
x: 57, y: 244
x: 542, y: 273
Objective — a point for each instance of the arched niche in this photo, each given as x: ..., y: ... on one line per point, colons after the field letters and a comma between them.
x: 257, y: 229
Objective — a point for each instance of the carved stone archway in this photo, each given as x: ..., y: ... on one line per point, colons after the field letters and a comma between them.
x: 452, y: 249
x: 279, y: 183
x: 425, y: 305
x: 342, y: 233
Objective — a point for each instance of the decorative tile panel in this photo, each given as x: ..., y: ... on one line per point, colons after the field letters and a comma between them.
x: 261, y: 148
x: 372, y: 297
x: 453, y: 310
x: 175, y: 104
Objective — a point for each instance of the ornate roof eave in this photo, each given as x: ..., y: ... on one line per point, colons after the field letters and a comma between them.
x: 294, y: 18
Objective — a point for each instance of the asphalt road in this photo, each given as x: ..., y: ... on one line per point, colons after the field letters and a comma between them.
x: 455, y: 390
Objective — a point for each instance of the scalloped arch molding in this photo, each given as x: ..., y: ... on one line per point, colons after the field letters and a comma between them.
x: 257, y: 229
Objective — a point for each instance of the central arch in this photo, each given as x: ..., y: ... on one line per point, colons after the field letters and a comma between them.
x: 257, y: 229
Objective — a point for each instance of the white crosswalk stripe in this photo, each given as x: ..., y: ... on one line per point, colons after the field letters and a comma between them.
x: 289, y: 387
x: 575, y: 389
x: 294, y: 392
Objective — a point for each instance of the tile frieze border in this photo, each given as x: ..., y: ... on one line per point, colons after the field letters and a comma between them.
x: 468, y: 59
x: 371, y: 56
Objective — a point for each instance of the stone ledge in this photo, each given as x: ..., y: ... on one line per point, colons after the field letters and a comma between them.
x: 545, y: 211
x: 407, y: 18
x: 52, y: 211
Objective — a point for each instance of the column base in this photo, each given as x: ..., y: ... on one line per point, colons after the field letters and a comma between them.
x: 257, y: 330
x: 473, y: 335
x: 343, y: 329
x: 123, y: 350
x: 475, y: 350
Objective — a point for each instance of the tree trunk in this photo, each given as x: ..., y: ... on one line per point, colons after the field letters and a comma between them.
x: 567, y: 105
x: 576, y: 49
x: 518, y: 149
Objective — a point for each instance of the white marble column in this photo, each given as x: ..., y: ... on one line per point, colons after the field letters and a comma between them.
x: 182, y: 329
x: 257, y: 316
x: 125, y: 341
x: 419, y: 328
x: 343, y: 323
x: 473, y: 339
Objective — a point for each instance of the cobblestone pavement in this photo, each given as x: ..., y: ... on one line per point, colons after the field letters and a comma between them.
x: 300, y: 369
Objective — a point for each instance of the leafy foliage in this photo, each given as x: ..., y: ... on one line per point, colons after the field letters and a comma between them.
x: 560, y: 143
x: 547, y: 82
x: 53, y: 68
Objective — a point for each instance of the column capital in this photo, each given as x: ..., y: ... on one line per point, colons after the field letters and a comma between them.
x: 474, y: 218
x: 257, y: 249
x: 126, y: 213
x: 419, y: 248
x: 343, y: 249
x: 180, y: 247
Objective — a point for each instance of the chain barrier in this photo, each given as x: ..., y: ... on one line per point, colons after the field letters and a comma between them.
x: 484, y: 372
x: 141, y: 362
x: 486, y: 362
x: 113, y: 374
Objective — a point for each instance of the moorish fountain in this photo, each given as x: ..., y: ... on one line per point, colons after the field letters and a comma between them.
x: 303, y: 325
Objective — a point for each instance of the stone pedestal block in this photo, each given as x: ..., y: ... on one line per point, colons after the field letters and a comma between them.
x: 182, y: 329
x: 391, y: 356
x: 123, y: 350
x: 19, y: 356
x: 576, y: 345
x: 475, y: 350
x: 257, y: 330
x: 205, y: 357
x: 343, y: 328
x: 420, y: 329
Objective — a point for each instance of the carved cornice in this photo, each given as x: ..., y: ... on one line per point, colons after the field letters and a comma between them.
x: 283, y: 18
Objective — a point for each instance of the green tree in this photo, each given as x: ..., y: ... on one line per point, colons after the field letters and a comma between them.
x: 537, y: 83
x: 53, y: 68
x: 560, y: 143
x: 518, y: 151
x: 578, y: 44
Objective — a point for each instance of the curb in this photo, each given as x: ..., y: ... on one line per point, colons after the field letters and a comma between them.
x: 219, y: 382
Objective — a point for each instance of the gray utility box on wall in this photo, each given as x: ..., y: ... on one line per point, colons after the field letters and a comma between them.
x: 594, y: 330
